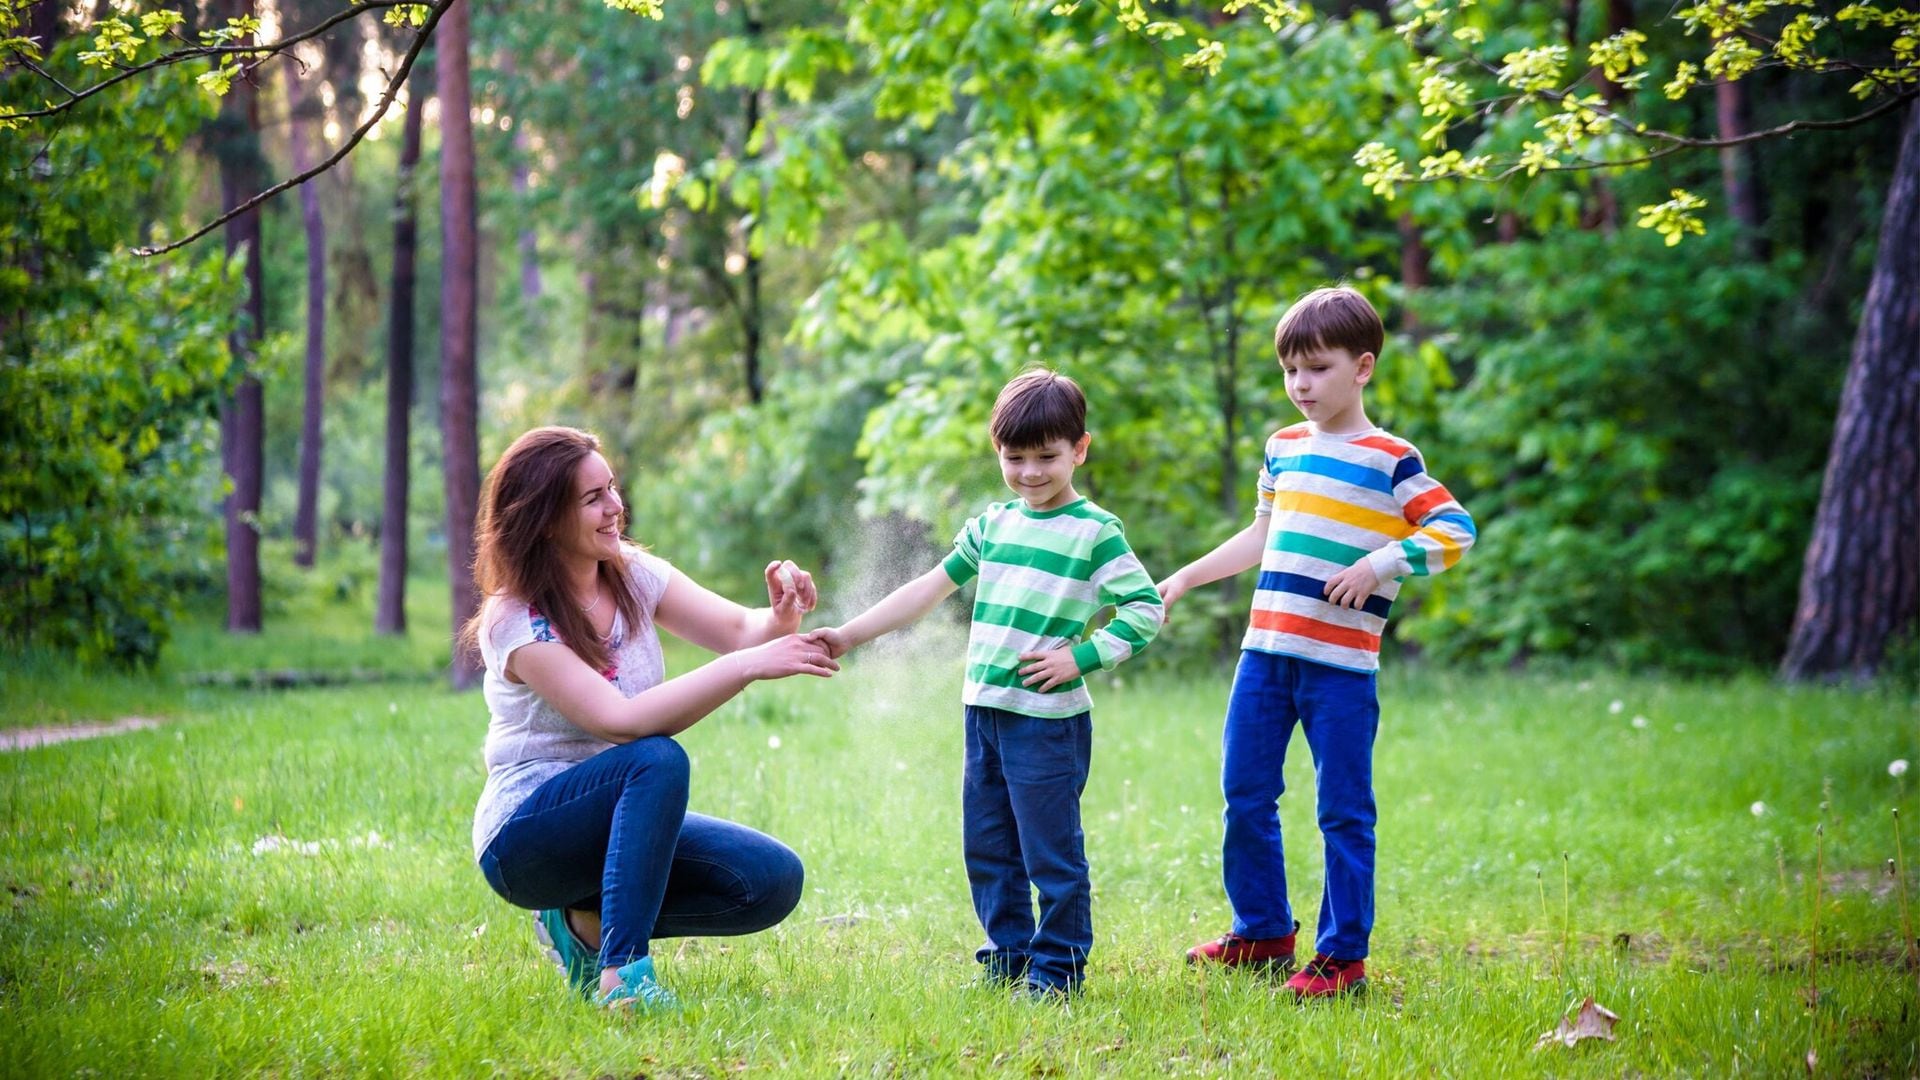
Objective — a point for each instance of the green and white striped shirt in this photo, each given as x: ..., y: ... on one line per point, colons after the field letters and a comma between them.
x: 1044, y: 574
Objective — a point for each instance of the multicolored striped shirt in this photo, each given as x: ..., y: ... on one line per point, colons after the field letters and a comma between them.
x: 1332, y: 500
x: 1044, y: 575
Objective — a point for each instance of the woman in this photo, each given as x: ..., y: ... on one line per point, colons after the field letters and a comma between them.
x: 584, y: 815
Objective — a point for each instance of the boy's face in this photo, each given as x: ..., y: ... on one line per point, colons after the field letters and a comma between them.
x: 1043, y: 475
x: 1325, y: 386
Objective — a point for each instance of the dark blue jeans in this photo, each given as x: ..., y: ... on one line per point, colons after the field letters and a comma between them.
x: 613, y: 834
x: 1339, y: 711
x: 1020, y: 810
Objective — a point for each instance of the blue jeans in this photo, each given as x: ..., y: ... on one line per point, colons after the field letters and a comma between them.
x: 1020, y: 812
x: 1339, y: 711
x: 613, y: 834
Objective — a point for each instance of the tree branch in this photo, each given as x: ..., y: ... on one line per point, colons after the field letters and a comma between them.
x: 195, y: 52
x: 392, y: 91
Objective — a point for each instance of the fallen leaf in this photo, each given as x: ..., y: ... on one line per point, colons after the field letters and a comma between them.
x: 1593, y: 1021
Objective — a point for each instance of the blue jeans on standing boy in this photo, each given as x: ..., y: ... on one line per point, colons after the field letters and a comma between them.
x: 1339, y: 711
x: 1020, y: 811
x: 613, y: 835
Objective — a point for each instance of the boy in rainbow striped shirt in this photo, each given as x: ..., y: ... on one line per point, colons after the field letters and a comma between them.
x: 1345, y: 511
x: 1047, y: 563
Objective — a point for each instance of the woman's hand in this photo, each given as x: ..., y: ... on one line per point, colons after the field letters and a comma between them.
x: 790, y: 594
x: 793, y: 654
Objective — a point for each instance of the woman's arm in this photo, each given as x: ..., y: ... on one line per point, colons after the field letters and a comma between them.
x: 692, y: 612
x: 595, y: 706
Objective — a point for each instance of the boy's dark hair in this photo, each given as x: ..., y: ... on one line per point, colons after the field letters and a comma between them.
x: 1036, y: 408
x: 1333, y: 318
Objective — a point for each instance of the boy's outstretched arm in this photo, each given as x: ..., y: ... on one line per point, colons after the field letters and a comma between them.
x: 1237, y: 553
x: 901, y: 607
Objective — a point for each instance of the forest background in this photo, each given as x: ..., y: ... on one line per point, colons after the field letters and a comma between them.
x: 780, y: 256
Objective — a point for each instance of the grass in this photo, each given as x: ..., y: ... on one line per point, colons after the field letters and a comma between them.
x: 149, y: 932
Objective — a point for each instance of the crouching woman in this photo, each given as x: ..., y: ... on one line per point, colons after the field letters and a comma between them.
x: 584, y: 815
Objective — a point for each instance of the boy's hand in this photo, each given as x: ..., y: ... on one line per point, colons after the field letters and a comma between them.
x: 1049, y: 669
x: 1171, y: 590
x: 1351, y: 587
x: 831, y: 639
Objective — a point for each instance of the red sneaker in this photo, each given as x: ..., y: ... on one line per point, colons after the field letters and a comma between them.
x: 1232, y: 950
x: 1327, y: 977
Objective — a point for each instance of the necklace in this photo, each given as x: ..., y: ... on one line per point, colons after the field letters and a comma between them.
x: 588, y: 610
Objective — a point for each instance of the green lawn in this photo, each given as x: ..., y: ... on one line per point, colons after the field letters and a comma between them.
x: 150, y: 931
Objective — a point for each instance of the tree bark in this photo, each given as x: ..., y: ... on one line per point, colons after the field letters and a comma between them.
x: 302, y: 113
x: 1860, y: 586
x: 1415, y: 266
x: 529, y: 242
x: 45, y: 25
x: 751, y: 316
x: 1738, y: 174
x: 390, y: 613
x: 237, y: 148
x: 459, y: 287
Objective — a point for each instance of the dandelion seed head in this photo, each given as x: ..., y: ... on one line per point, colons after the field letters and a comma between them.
x: 1758, y: 808
x: 1640, y: 722
x: 1897, y: 767
x: 1616, y: 706
x: 773, y: 742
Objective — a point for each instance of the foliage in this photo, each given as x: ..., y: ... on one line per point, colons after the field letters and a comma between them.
x: 1510, y: 87
x: 112, y: 374
x: 104, y: 479
x: 1645, y: 489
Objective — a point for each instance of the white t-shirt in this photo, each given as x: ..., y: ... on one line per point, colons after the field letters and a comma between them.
x: 528, y: 741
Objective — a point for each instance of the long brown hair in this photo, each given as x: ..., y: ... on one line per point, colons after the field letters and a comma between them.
x: 528, y: 492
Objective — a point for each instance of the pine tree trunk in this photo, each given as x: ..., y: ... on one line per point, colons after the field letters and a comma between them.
x: 459, y: 286
x: 306, y: 526
x: 242, y: 425
x: 1860, y: 587
x: 390, y: 613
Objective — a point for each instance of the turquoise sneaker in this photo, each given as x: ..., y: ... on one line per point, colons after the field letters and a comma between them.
x: 581, y: 964
x: 639, y: 991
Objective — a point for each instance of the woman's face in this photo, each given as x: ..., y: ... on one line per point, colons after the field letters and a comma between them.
x: 590, y: 527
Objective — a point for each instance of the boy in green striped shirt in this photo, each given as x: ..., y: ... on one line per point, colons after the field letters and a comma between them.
x: 1047, y: 563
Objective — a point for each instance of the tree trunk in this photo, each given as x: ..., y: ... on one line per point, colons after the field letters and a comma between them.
x: 1860, y: 587
x: 390, y: 613
x: 459, y: 286
x: 237, y: 148
x: 1415, y: 266
x: 45, y: 25
x: 302, y: 113
x: 1737, y: 172
x: 751, y: 316
x: 530, y: 285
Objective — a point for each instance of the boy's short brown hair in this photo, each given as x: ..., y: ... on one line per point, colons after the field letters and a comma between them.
x: 1332, y: 318
x: 1037, y: 407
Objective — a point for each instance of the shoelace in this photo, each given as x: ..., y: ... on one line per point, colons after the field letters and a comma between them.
x: 1325, y: 967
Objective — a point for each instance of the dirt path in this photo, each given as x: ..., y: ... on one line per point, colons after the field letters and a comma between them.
x: 47, y: 735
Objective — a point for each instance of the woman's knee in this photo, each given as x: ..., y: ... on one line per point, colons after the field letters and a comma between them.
x: 656, y: 758
x: 780, y: 878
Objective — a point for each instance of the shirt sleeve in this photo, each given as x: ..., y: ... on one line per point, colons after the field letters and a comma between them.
x: 962, y: 564
x: 1265, y: 485
x: 508, y: 625
x: 1121, y: 581
x: 1442, y: 528
x: 651, y: 573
